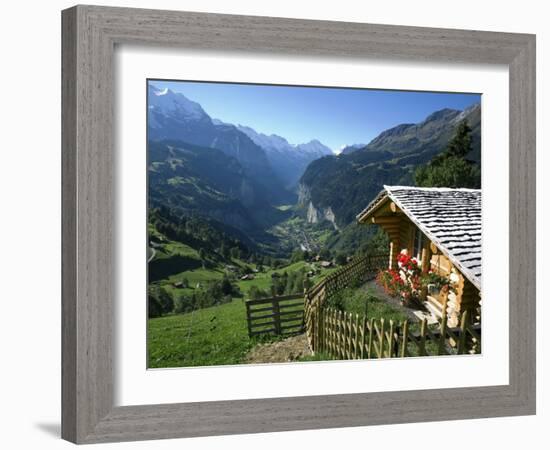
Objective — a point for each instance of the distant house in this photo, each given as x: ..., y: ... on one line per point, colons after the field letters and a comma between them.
x: 248, y: 276
x: 326, y: 264
x: 441, y: 227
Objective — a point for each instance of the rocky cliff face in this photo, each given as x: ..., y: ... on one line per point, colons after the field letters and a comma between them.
x: 304, y: 195
x: 313, y: 213
x: 316, y: 215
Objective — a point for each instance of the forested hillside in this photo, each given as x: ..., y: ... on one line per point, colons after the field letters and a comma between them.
x: 193, y: 180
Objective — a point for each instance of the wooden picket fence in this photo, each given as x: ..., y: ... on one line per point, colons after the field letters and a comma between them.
x: 359, y: 270
x: 281, y: 316
x: 343, y: 335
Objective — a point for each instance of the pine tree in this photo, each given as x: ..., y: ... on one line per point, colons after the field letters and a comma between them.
x: 235, y: 252
x: 461, y: 143
x: 451, y: 168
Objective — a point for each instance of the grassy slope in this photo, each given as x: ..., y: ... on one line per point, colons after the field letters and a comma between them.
x: 210, y: 336
x: 172, y: 250
x: 359, y: 301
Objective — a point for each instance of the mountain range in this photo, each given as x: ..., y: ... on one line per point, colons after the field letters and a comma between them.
x: 288, y: 161
x: 238, y: 177
x: 272, y: 160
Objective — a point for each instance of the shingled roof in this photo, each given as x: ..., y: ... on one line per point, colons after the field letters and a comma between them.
x: 450, y: 218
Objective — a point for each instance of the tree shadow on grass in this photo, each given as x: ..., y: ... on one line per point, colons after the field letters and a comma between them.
x: 163, y: 268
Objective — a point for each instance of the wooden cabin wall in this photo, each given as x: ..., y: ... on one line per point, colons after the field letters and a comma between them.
x: 402, y: 234
x: 470, y: 298
x: 462, y: 293
x: 407, y: 234
x: 440, y: 264
x: 392, y: 225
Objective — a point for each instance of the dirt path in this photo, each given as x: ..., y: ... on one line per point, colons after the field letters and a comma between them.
x: 289, y: 349
x: 153, y: 253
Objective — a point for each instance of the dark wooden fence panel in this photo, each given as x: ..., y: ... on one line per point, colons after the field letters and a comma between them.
x: 281, y: 316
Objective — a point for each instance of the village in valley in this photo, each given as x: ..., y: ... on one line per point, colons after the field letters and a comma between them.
x: 372, y: 253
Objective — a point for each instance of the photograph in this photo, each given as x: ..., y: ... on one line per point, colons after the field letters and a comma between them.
x: 300, y: 223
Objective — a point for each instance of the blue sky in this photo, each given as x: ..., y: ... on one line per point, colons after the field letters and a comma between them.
x: 334, y: 116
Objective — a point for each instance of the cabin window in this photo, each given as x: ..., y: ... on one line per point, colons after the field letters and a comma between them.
x: 418, y: 245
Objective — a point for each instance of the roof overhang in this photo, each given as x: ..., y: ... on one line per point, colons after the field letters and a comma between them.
x: 373, y: 207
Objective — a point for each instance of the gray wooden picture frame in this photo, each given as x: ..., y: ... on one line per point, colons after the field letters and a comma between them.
x: 90, y: 34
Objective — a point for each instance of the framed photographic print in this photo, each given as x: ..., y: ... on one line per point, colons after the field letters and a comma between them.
x: 241, y: 224
x: 278, y: 224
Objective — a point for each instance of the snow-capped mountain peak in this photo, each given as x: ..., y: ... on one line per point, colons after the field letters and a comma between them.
x: 168, y: 102
x: 277, y: 143
x: 269, y: 143
x: 219, y: 122
x: 288, y: 160
x: 314, y: 147
x: 171, y: 115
